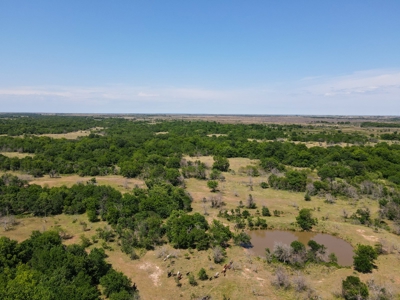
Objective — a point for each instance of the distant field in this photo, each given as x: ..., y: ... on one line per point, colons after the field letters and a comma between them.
x: 16, y: 154
x: 71, y: 135
x: 118, y: 182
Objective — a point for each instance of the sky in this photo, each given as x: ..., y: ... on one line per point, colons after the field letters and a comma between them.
x: 309, y: 57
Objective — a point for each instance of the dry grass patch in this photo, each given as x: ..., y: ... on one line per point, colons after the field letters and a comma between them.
x: 72, y: 225
x: 16, y: 154
x: 118, y: 182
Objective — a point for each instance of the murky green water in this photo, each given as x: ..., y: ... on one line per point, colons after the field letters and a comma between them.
x: 262, y: 239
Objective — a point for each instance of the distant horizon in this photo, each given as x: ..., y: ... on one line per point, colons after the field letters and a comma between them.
x: 205, y: 114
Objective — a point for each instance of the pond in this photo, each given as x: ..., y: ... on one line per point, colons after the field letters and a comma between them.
x: 262, y: 239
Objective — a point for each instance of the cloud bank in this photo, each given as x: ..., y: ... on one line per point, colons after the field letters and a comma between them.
x: 373, y: 92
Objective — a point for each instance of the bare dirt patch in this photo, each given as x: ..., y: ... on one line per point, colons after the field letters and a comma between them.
x: 371, y: 238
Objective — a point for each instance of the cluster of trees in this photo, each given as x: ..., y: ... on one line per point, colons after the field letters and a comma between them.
x: 330, y: 137
x: 42, y: 268
x: 391, y: 136
x: 292, y: 181
x: 380, y: 124
x: 137, y: 217
x: 135, y: 149
x: 14, y: 125
x: 296, y: 254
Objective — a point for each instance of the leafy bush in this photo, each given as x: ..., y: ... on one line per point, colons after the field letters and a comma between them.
x: 354, y: 289
x: 202, y: 274
x: 305, y: 219
x: 364, y: 258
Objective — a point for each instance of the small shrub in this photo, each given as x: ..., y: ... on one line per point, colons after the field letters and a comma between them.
x: 192, y: 280
x: 202, y: 274
x: 265, y: 211
x: 85, y: 241
x: 307, y: 196
x: 281, y: 278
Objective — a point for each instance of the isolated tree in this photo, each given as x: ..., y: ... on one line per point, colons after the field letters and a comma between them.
x: 221, y: 163
x: 250, y: 203
x: 202, y: 274
x: 305, y: 219
x: 212, y: 184
x: 354, y: 289
x: 364, y: 258
x: 265, y: 211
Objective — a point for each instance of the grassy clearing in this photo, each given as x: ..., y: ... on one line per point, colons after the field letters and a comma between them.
x: 16, y: 154
x: 118, y: 182
x: 71, y: 224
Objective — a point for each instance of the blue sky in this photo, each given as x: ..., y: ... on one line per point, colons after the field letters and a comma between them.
x: 224, y: 57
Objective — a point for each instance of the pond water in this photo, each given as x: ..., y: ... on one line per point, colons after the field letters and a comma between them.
x: 262, y: 239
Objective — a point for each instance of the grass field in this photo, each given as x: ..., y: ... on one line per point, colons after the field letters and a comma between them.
x: 16, y: 154
x: 118, y: 182
x: 252, y: 276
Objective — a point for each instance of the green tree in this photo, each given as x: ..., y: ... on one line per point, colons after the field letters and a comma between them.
x: 364, y: 258
x: 305, y: 219
x: 298, y: 247
x: 354, y: 289
x: 192, y: 280
x: 219, y: 234
x: 202, y: 274
x: 221, y: 163
x: 265, y: 211
x: 115, y: 282
x: 242, y: 239
x: 212, y: 184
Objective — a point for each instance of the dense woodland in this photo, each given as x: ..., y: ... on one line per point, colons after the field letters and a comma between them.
x: 135, y: 148
x: 161, y: 213
x: 42, y: 268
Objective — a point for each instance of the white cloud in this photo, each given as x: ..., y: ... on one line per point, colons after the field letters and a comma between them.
x: 366, y: 92
x: 365, y: 82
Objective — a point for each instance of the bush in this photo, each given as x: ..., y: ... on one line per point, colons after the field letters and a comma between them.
x: 215, y: 174
x: 212, y: 184
x: 305, y: 219
x: 192, y: 280
x: 202, y: 274
x: 218, y: 254
x: 242, y: 239
x: 364, y: 259
x: 221, y: 163
x: 297, y: 247
x: 265, y: 211
x: 307, y: 196
x: 354, y: 289
x: 264, y: 185
x: 333, y: 258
